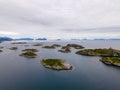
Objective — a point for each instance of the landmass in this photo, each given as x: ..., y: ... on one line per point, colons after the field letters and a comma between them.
x: 56, y: 64
x: 99, y: 52
x: 13, y: 48
x: 30, y: 50
x: 115, y: 61
x: 29, y: 54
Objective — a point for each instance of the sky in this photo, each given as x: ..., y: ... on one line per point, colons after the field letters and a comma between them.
x: 60, y: 18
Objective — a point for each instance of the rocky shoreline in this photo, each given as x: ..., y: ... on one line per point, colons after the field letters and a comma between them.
x: 57, y: 64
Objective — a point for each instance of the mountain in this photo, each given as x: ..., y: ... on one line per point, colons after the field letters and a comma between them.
x: 41, y: 39
x: 24, y: 39
x: 5, y: 39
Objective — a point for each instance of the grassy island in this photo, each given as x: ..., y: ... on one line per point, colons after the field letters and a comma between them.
x: 76, y: 46
x: 100, y: 52
x: 111, y: 60
x: 49, y: 47
x: 56, y: 45
x: 29, y: 54
x: 13, y: 48
x: 30, y: 50
x: 19, y: 43
x: 56, y: 64
x: 37, y: 44
x: 65, y: 50
x: 1, y: 51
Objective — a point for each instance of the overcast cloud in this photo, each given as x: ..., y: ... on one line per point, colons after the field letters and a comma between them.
x: 60, y: 18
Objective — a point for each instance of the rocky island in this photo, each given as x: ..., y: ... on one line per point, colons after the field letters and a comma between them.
x: 29, y: 54
x: 52, y: 46
x: 108, y: 56
x: 65, y: 49
x: 100, y: 52
x: 13, y: 48
x: 30, y: 50
x: 1, y: 51
x: 56, y: 64
x: 37, y: 44
x: 76, y: 46
x: 115, y: 61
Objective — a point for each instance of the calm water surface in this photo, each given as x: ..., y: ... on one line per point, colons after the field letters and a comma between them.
x: 19, y: 73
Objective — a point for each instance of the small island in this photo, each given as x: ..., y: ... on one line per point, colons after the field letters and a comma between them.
x: 65, y: 49
x: 13, y: 48
x: 76, y: 46
x: 19, y: 43
x: 1, y: 51
x: 29, y: 54
x: 56, y: 64
x: 30, y: 50
x: 49, y: 47
x: 115, y: 61
x: 56, y: 45
x: 37, y: 44
x: 100, y: 52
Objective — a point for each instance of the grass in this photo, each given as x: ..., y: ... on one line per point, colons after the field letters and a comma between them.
x: 31, y: 50
x: 113, y: 59
x: 52, y: 62
x: 29, y: 54
x: 100, y: 52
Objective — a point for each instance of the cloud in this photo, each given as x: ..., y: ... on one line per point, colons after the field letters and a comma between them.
x: 8, y: 33
x: 53, y: 18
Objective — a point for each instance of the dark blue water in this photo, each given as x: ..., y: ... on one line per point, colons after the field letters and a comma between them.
x: 19, y: 73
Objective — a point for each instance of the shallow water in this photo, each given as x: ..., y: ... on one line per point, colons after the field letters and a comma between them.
x: 19, y: 73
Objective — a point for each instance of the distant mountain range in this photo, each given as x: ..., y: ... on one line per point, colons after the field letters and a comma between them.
x: 5, y: 39
x: 10, y: 39
x: 41, y: 39
x: 24, y: 39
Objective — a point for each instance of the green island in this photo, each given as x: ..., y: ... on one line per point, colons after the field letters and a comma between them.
x: 76, y: 46
x: 56, y: 45
x: 99, y: 52
x: 1, y: 51
x: 65, y: 49
x: 56, y: 64
x: 49, y: 47
x: 37, y: 44
x: 30, y: 50
x: 19, y: 43
x: 52, y: 46
x: 108, y: 56
x: 13, y: 48
x: 115, y: 61
x: 29, y: 54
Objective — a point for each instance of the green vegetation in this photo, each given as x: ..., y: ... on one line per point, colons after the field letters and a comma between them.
x: 28, y: 54
x: 65, y: 50
x: 76, y: 46
x: 13, y: 48
x: 56, y: 45
x: 56, y: 64
x: 19, y: 43
x: 111, y: 60
x: 30, y: 50
x: 53, y: 62
x: 99, y: 52
x: 49, y: 47
x: 1, y: 51
x: 37, y: 44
